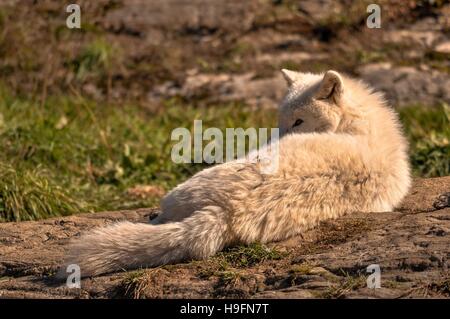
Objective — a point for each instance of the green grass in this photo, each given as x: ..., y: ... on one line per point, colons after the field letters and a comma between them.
x: 246, y: 256
x: 428, y: 130
x: 70, y: 155
x: 28, y: 194
x: 79, y: 155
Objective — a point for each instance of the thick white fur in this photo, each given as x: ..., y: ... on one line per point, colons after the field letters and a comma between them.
x: 348, y: 155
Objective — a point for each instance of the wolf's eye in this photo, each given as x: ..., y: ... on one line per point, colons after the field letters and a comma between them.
x: 297, y: 123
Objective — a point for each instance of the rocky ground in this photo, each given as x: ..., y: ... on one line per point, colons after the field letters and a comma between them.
x: 411, y: 246
x: 212, y: 50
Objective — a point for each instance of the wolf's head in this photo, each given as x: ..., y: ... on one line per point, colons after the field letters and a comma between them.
x: 321, y: 103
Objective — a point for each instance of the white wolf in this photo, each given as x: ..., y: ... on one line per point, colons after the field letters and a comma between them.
x: 341, y: 151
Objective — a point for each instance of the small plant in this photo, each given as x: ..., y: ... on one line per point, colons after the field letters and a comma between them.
x: 141, y: 283
x: 96, y: 57
x: 246, y: 256
x: 132, y: 284
x: 347, y: 284
x: 212, y: 267
x: 229, y: 278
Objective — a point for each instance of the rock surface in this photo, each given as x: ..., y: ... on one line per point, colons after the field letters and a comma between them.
x: 411, y: 246
x: 402, y: 86
x: 407, y: 85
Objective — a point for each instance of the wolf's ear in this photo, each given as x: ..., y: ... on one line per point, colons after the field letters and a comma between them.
x: 290, y: 76
x: 331, y: 87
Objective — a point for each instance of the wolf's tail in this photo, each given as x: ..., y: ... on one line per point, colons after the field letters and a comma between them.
x: 128, y: 245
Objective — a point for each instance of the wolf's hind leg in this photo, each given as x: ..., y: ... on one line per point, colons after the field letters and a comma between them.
x: 172, y: 210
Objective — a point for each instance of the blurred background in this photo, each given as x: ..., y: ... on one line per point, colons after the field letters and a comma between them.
x: 86, y: 114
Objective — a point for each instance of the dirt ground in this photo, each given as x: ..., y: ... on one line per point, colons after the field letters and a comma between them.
x: 411, y: 246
